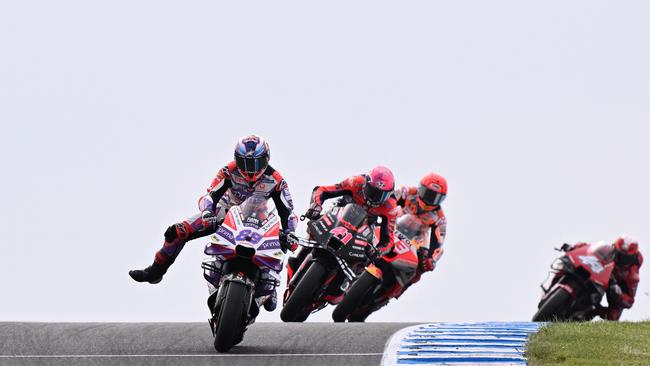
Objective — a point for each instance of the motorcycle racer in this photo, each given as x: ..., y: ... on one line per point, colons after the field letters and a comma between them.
x: 372, y: 191
x: 625, y: 276
x: 249, y: 174
x: 424, y: 202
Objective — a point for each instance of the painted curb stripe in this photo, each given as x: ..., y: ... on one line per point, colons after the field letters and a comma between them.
x: 489, y: 343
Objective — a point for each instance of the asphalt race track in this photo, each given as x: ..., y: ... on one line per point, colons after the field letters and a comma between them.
x: 161, y: 344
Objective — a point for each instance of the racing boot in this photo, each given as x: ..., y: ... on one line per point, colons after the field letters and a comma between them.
x: 154, y: 273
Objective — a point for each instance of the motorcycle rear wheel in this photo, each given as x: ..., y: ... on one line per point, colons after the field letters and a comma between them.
x: 230, y: 321
x: 354, y: 297
x: 553, y: 307
x: 294, y: 310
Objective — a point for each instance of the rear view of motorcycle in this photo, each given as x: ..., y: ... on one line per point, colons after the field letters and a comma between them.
x: 341, y: 239
x: 576, y: 284
x: 242, y: 271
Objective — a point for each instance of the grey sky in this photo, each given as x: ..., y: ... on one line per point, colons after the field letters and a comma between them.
x: 116, y: 115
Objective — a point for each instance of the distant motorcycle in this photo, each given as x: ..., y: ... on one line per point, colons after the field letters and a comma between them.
x: 576, y: 284
x: 341, y: 239
x: 242, y: 271
x: 386, y: 278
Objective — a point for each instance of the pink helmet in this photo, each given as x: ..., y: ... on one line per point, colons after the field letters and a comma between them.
x: 379, y: 186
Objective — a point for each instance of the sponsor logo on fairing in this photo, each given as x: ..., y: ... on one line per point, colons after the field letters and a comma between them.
x: 226, y: 234
x: 592, y: 262
x: 269, y: 244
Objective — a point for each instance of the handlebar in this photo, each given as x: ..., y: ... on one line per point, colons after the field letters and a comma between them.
x: 564, y: 248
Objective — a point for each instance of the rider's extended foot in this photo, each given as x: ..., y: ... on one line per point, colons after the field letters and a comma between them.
x: 152, y: 274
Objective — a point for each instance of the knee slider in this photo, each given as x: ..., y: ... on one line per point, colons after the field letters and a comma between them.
x: 170, y: 233
x: 176, y: 231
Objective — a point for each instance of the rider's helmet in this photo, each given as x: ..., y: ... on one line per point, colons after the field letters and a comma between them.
x: 431, y: 191
x: 379, y: 186
x: 627, y: 250
x: 252, y: 156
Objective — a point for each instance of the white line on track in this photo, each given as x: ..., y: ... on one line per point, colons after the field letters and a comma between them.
x: 199, y: 355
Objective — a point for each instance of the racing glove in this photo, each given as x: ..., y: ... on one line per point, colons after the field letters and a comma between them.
x: 313, y: 213
x: 426, y: 262
x: 209, y: 219
x: 287, y: 241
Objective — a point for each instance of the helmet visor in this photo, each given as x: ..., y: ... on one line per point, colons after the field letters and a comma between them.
x: 250, y: 164
x: 429, y: 196
x: 374, y: 195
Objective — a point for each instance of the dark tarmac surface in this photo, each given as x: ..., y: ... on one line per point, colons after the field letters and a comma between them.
x: 312, y: 344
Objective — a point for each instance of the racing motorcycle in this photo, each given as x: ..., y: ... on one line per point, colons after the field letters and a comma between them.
x: 243, y: 269
x: 388, y: 277
x: 576, y: 284
x: 341, y: 243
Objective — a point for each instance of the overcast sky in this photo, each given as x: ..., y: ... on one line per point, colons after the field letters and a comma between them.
x: 116, y: 115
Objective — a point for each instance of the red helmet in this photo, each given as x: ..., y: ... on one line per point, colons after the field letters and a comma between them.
x: 379, y: 186
x: 627, y: 250
x: 432, y: 190
x: 252, y: 156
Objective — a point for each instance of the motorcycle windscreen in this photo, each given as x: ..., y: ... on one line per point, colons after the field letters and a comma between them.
x: 255, y: 211
x: 413, y: 229
x: 354, y: 214
x: 604, y: 251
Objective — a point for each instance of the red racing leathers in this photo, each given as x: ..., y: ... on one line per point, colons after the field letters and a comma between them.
x: 407, y: 199
x: 623, y: 285
x: 351, y: 190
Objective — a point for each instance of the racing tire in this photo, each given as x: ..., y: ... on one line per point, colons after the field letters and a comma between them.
x: 230, y: 321
x: 552, y: 308
x: 354, y: 297
x: 294, y: 310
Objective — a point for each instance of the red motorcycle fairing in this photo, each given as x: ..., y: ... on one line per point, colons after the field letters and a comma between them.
x: 338, y: 242
x: 394, y: 271
x: 595, y: 263
x: 583, y: 273
x: 598, y: 260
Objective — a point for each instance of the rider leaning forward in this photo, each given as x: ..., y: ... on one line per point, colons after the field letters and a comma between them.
x: 372, y: 191
x: 424, y: 202
x: 625, y: 277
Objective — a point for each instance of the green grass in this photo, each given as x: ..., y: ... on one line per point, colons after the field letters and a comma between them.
x: 591, y: 344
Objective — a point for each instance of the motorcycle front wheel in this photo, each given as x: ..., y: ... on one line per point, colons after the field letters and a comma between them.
x: 230, y: 321
x: 354, y: 296
x: 554, y: 306
x: 301, y: 297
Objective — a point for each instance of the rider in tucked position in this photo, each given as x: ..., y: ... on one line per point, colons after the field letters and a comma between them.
x: 371, y: 191
x: 625, y: 277
x: 424, y: 202
x: 249, y: 174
